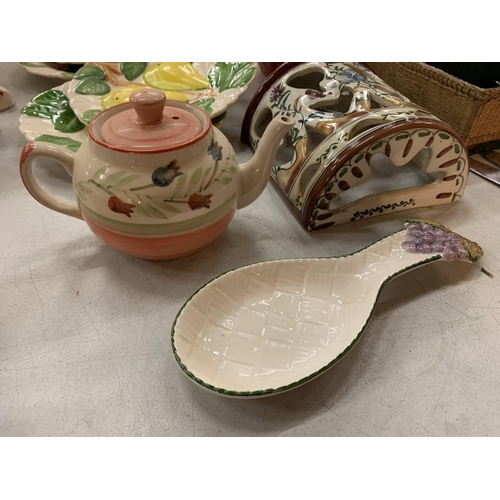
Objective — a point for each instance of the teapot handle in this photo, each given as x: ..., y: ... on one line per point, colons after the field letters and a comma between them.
x: 66, y: 158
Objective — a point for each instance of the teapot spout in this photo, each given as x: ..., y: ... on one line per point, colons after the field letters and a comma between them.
x: 254, y: 174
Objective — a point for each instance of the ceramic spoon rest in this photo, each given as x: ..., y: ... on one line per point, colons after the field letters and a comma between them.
x: 269, y: 327
x: 328, y: 170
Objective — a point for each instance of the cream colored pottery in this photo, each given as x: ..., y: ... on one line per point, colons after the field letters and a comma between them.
x: 6, y: 99
x: 358, y: 149
x: 158, y: 185
x: 269, y: 327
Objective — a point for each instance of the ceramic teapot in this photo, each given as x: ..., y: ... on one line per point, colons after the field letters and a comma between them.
x: 155, y: 179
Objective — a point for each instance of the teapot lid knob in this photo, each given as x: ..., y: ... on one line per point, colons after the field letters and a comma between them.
x: 148, y: 105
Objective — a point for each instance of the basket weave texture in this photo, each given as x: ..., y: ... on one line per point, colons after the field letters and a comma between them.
x: 473, y: 112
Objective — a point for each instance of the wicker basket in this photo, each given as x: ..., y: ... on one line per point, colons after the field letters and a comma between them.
x: 473, y: 112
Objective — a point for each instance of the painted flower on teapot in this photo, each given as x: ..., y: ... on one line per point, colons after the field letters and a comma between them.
x: 155, y: 179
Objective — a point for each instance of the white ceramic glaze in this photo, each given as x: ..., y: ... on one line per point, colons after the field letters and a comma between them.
x: 163, y: 201
x: 271, y: 326
x: 346, y: 119
x: 6, y: 99
x: 101, y: 85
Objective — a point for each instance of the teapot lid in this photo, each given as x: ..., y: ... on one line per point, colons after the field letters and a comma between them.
x: 151, y: 124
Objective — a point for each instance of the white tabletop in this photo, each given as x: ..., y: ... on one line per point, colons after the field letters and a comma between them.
x: 85, y: 331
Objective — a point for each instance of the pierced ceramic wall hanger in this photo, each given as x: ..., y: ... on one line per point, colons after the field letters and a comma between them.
x: 346, y: 119
x: 269, y: 327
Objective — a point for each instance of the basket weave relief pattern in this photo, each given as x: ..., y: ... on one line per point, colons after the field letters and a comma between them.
x: 473, y: 112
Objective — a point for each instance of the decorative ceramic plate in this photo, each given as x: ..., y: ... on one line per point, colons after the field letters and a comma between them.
x: 269, y: 327
x: 214, y: 87
x: 64, y: 71
x: 48, y: 117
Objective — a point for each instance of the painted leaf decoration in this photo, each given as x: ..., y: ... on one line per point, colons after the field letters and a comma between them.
x: 195, y: 178
x: 140, y: 209
x: 83, y: 189
x: 205, y: 105
x: 67, y: 122
x: 444, y: 136
x: 99, y: 173
x: 224, y: 76
x: 53, y: 98
x: 181, y: 181
x: 114, y: 177
x: 171, y: 208
x: 224, y: 180
x: 54, y: 105
x: 131, y: 70
x: 66, y: 142
x: 87, y: 115
x: 205, y: 175
x: 92, y: 86
x: 161, y: 204
x: 126, y: 180
x: 231, y: 169
x: 155, y: 212
x: 90, y: 71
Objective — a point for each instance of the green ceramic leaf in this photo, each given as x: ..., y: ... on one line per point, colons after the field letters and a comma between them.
x: 180, y: 182
x: 377, y: 145
x: 225, y: 76
x: 39, y: 111
x: 126, y: 180
x: 359, y: 158
x: 83, y: 189
x: 92, y: 86
x: 155, y: 212
x: 424, y: 133
x: 53, y: 98
x: 114, y: 177
x: 66, y: 142
x: 224, y: 180
x: 457, y: 148
x: 54, y: 105
x: 343, y: 172
x: 204, y: 177
x: 87, y: 116
x: 205, y: 105
x: 67, y: 122
x: 444, y: 136
x: 90, y: 71
x: 99, y: 173
x: 131, y: 70
x: 171, y: 208
x: 141, y: 210
x: 231, y: 169
x: 195, y: 178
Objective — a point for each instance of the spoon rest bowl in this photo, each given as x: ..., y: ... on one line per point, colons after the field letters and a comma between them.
x: 269, y: 327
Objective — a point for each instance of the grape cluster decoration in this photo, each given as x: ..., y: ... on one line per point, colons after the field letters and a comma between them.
x: 424, y: 238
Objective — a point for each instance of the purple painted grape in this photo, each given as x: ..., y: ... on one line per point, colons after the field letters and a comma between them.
x: 423, y: 238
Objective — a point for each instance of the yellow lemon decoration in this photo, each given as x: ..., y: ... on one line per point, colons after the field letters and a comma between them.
x: 174, y: 76
x: 121, y: 95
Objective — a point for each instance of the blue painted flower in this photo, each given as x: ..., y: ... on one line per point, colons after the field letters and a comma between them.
x: 215, y: 151
x: 163, y: 176
x: 346, y: 76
